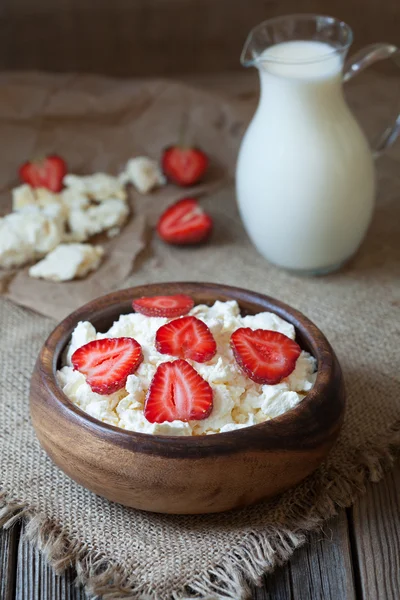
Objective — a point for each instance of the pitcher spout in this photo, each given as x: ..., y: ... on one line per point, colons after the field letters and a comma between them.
x: 258, y: 40
x: 333, y: 32
x: 248, y: 55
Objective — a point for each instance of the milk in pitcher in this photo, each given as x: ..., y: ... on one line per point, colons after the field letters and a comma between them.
x: 305, y: 175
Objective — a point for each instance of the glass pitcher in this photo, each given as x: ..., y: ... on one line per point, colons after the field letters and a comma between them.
x: 305, y: 176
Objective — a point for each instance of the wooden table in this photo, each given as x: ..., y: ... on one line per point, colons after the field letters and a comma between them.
x: 356, y: 556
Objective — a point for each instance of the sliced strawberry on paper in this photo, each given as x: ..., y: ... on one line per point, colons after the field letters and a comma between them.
x: 48, y: 172
x: 187, y: 337
x: 184, y: 223
x: 265, y: 356
x: 108, y: 362
x: 178, y: 392
x: 163, y: 306
x: 184, y: 166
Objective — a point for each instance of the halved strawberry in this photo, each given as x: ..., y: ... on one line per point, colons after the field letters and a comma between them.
x: 184, y: 165
x: 108, y: 362
x: 187, y: 337
x: 265, y: 356
x: 178, y: 392
x: 185, y: 222
x: 163, y: 306
x: 48, y: 172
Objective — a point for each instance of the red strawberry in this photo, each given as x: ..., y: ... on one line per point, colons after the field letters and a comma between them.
x: 187, y: 337
x: 48, y: 172
x: 108, y: 362
x: 184, y: 166
x: 177, y: 391
x: 184, y: 222
x: 265, y: 356
x: 163, y: 306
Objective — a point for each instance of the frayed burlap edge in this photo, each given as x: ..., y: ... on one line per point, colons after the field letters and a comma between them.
x: 259, y: 553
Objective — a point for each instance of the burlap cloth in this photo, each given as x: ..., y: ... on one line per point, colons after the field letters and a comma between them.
x: 122, y: 553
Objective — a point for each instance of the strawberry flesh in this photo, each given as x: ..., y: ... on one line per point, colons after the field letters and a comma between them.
x: 47, y: 173
x: 184, y: 223
x: 178, y: 392
x: 184, y: 166
x: 108, y: 362
x: 187, y: 337
x: 163, y: 306
x: 265, y: 356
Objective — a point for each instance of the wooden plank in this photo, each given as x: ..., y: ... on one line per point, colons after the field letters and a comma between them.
x: 8, y: 561
x: 37, y: 581
x: 276, y: 586
x: 376, y: 538
x: 146, y: 37
x: 320, y: 569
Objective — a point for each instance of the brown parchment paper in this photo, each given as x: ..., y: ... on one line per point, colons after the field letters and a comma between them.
x: 57, y: 300
x: 98, y: 126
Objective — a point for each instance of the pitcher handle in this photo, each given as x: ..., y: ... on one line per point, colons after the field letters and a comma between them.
x: 357, y: 63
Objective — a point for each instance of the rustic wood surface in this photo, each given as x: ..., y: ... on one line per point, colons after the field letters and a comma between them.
x: 376, y: 533
x: 8, y: 561
x: 161, y: 37
x: 36, y: 581
x: 232, y: 470
x: 355, y: 557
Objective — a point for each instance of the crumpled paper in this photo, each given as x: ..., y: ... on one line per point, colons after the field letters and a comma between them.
x: 97, y: 126
x: 57, y: 300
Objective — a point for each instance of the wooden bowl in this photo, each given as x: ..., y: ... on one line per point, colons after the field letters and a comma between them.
x: 187, y: 475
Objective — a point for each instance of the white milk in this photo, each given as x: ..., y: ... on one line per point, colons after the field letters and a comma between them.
x: 305, y: 175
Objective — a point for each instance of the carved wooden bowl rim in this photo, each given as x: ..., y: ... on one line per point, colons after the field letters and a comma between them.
x: 305, y: 426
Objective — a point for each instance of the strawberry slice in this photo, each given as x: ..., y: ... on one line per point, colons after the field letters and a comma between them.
x: 265, y: 356
x: 187, y: 337
x: 48, y: 172
x: 184, y: 166
x: 163, y: 306
x: 108, y: 362
x: 184, y: 222
x: 178, y: 392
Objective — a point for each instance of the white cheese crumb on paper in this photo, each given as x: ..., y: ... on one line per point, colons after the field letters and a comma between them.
x: 143, y: 173
x: 68, y: 261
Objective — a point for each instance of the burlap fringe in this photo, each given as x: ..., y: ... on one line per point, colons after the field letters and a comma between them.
x: 260, y: 552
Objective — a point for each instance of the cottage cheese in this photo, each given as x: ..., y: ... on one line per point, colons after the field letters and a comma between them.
x: 86, y: 222
x: 42, y: 220
x: 22, y: 196
x: 238, y: 401
x: 98, y: 186
x: 94, y: 203
x: 26, y: 196
x: 143, y: 173
x: 29, y: 234
x: 68, y: 261
x: 90, y: 205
